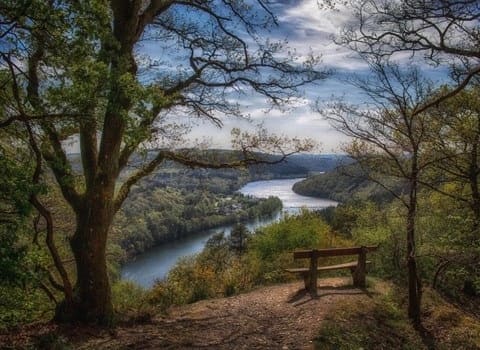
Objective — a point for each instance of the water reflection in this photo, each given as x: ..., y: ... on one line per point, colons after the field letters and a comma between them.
x: 283, y: 190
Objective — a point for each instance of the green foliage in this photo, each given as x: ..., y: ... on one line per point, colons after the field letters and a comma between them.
x: 22, y: 304
x: 443, y: 239
x: 187, y: 282
x: 272, y: 246
x: 12, y: 255
x: 20, y: 299
x: 131, y: 301
x: 446, y: 227
x: 15, y: 186
x: 222, y: 271
x: 303, y: 231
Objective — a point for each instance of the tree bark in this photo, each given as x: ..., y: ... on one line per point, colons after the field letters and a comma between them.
x: 414, y: 285
x: 473, y: 179
x: 92, y: 292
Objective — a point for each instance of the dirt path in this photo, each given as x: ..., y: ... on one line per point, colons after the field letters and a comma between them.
x: 277, y: 317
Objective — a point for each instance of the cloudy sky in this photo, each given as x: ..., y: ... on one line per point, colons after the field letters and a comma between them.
x: 307, y: 28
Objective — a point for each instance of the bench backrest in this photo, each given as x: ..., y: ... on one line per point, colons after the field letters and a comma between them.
x: 317, y: 253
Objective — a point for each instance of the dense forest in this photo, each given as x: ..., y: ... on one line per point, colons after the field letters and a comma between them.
x: 345, y: 183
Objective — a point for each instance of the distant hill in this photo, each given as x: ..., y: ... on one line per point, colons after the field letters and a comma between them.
x: 298, y: 165
x: 320, y: 162
x: 343, y: 184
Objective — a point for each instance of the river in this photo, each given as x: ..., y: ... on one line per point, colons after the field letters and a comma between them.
x: 155, y: 263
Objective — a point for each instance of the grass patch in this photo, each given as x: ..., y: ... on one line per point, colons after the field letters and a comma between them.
x: 381, y: 322
x: 451, y: 327
x: 374, y: 323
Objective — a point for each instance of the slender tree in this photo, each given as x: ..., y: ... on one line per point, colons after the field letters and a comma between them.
x: 79, y: 69
x: 388, y: 143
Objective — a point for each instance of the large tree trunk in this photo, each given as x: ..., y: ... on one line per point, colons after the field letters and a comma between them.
x: 92, y: 292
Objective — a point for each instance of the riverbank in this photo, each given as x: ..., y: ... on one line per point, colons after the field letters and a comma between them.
x: 155, y: 263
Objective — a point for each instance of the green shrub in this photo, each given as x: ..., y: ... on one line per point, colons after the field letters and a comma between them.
x: 22, y: 305
x: 187, y: 282
x: 272, y: 246
x: 131, y: 302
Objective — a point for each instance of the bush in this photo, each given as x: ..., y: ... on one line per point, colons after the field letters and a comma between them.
x: 22, y: 305
x: 272, y: 246
x: 306, y: 230
x: 131, y: 301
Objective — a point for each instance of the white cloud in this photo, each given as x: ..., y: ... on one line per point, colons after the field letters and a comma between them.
x: 310, y: 28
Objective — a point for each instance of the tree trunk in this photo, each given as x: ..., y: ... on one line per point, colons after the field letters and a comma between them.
x: 468, y: 284
x: 92, y: 292
x: 475, y: 204
x: 414, y: 285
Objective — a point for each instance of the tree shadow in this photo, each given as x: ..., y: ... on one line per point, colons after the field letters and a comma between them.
x: 302, y: 296
x: 427, y: 336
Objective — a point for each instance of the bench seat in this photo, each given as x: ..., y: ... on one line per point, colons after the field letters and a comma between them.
x: 310, y: 274
x: 349, y: 265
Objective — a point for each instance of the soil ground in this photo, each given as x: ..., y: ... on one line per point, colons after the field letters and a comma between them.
x: 275, y: 317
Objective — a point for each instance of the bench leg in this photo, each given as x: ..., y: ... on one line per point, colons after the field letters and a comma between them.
x: 360, y: 271
x: 306, y: 280
x: 312, y: 288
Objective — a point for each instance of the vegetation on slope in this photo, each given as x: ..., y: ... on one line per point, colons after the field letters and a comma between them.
x: 380, y: 322
x: 157, y: 215
x: 343, y: 184
x: 225, y: 268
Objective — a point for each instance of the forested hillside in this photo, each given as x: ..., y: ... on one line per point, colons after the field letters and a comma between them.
x: 345, y: 183
x: 156, y: 213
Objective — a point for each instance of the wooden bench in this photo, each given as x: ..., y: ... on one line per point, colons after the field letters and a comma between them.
x: 357, y: 268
